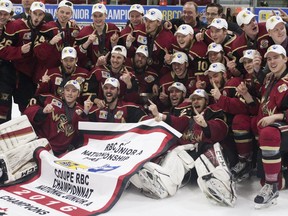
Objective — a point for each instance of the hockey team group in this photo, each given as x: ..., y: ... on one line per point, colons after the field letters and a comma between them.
x: 222, y: 84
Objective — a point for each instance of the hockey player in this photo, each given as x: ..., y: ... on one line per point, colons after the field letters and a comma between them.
x: 177, y: 94
x: 7, y: 74
x: 116, y: 69
x: 152, y: 34
x: 17, y: 46
x: 270, y: 124
x: 278, y: 33
x: 25, y: 14
x: 196, y: 51
x: 159, y: 180
x: 277, y: 30
x: 97, y: 39
x: 115, y: 109
x: 56, y: 119
x: 226, y: 98
x: 254, y: 36
x: 199, y: 132
x: 56, y: 35
x: 250, y: 78
x: 54, y: 79
x: 147, y: 77
x: 218, y: 32
x: 224, y: 89
x: 215, y: 53
x: 127, y: 35
x: 180, y: 72
x: 244, y: 139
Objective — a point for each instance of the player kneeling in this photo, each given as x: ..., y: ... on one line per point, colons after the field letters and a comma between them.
x: 17, y: 144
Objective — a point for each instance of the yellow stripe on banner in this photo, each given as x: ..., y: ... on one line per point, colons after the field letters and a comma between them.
x: 271, y: 161
x: 243, y: 141
x: 270, y: 148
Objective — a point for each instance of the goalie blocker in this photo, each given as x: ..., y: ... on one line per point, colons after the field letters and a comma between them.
x: 17, y: 144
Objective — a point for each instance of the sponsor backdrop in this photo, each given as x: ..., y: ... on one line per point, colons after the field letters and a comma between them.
x: 91, y: 179
x: 118, y: 14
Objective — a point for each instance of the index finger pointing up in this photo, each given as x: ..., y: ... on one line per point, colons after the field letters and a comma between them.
x: 195, y: 110
x: 151, y: 102
x: 214, y: 85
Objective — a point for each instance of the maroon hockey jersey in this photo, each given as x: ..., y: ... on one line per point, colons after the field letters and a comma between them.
x: 60, y: 127
x: 97, y: 48
x: 49, y: 56
x: 16, y: 34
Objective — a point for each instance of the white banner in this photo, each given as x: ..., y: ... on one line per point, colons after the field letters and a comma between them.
x: 91, y: 179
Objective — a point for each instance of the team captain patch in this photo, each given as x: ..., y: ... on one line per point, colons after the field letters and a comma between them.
x: 282, y: 88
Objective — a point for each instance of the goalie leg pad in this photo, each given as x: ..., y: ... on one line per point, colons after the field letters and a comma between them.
x: 16, y: 162
x: 164, y: 179
x: 215, y: 182
x: 152, y: 181
x: 16, y: 132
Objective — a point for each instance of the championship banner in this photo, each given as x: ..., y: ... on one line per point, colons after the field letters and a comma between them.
x: 91, y: 179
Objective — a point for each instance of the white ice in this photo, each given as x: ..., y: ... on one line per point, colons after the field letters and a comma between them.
x: 189, y: 200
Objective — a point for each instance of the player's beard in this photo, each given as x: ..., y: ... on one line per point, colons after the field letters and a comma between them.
x: 69, y: 70
x: 140, y: 64
x: 111, y: 101
x: 176, y: 100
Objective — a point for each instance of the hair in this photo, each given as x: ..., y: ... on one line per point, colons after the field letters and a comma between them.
x: 118, y: 49
x: 192, y: 3
x: 220, y: 7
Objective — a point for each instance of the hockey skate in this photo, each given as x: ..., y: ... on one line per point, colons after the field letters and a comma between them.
x: 267, y: 196
x: 242, y: 170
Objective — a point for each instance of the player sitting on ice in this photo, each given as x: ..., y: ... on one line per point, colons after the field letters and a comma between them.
x: 17, y: 144
x: 270, y: 125
x: 163, y: 179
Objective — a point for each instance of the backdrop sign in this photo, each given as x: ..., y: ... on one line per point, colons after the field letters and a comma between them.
x: 118, y: 14
x: 91, y: 179
x: 264, y: 13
